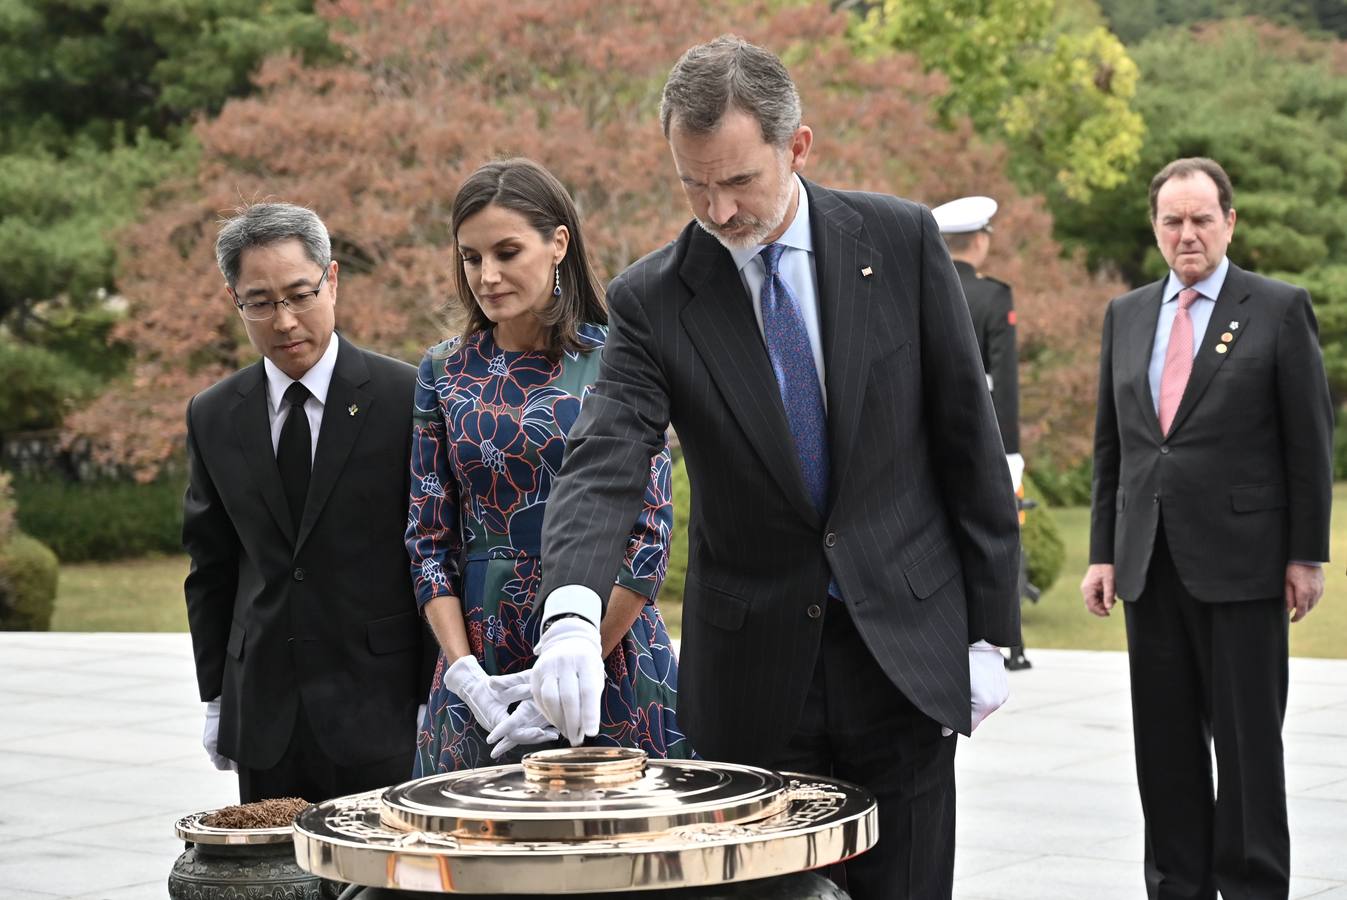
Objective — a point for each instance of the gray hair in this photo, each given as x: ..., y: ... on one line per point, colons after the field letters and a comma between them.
x: 730, y: 72
x: 268, y: 223
x: 1187, y: 168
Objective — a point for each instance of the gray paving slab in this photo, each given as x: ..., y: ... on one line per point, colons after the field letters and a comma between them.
x: 71, y: 868
x: 100, y: 754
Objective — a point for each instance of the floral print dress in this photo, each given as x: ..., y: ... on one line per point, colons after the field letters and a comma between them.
x: 489, y: 431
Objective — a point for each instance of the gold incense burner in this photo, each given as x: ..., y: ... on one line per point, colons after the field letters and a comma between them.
x: 586, y: 820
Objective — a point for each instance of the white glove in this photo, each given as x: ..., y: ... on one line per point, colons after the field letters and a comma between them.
x: 210, y: 738
x: 987, y: 676
x: 568, y: 677
x: 526, y: 725
x: 987, y: 680
x: 489, y: 697
x: 1016, y: 464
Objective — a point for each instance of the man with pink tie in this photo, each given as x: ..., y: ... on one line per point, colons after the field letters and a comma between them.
x: 1213, y: 476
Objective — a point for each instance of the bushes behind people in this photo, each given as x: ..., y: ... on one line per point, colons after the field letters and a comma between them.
x: 1042, y: 539
x: 102, y: 520
x: 27, y: 573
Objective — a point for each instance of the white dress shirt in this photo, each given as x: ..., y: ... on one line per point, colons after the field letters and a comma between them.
x: 317, y: 380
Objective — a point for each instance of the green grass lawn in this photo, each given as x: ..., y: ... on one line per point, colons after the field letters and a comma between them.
x: 129, y: 595
x: 1059, y: 618
x: 146, y: 595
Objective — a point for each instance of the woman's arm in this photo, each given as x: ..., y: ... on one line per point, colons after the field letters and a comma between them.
x: 624, y: 607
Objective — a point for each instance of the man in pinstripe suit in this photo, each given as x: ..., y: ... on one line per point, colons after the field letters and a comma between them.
x: 846, y: 549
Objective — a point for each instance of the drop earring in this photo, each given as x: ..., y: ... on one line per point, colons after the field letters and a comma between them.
x: 556, y: 290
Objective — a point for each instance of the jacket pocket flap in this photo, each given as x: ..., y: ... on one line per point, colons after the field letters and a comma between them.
x: 394, y: 633
x: 929, y: 573
x: 235, y: 646
x: 719, y: 608
x: 1253, y: 497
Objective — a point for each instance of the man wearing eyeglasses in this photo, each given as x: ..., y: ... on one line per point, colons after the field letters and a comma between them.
x: 308, y: 646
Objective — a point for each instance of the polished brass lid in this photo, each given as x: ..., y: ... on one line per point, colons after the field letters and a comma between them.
x: 582, y: 793
x: 586, y: 820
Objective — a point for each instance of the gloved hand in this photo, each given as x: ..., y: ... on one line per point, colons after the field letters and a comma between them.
x: 489, y: 697
x: 1016, y: 464
x: 568, y: 677
x: 210, y: 738
x: 987, y: 676
x: 526, y: 725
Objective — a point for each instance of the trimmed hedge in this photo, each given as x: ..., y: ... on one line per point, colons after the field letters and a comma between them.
x: 28, y: 571
x: 102, y: 520
x: 1042, y: 540
x: 1064, y: 487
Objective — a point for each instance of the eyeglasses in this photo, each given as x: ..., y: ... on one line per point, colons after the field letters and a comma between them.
x: 262, y: 310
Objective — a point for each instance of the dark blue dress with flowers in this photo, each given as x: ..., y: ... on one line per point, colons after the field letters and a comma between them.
x: 489, y: 431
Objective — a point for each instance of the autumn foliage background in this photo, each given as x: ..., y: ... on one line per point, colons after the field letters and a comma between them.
x: 378, y: 143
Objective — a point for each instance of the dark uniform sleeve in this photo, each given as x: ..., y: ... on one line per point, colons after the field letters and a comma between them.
x: 1003, y: 365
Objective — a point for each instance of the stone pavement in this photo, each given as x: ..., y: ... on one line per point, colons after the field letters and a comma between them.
x: 100, y: 754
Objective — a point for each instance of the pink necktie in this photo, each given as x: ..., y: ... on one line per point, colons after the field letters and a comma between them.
x: 1178, y: 360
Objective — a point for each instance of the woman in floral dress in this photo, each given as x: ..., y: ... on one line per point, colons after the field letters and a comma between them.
x: 493, y: 408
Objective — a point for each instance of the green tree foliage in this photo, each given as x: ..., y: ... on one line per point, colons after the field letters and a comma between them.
x: 100, y: 69
x: 1056, y: 89
x: 1270, y: 104
x: 379, y: 142
x: 1133, y: 20
x: 94, y: 100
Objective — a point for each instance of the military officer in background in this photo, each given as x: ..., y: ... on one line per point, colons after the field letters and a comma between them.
x: 965, y: 224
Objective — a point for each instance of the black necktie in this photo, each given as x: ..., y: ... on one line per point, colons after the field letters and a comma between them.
x: 293, y: 451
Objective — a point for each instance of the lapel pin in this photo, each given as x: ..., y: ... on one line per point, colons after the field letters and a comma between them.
x: 352, y: 410
x: 1227, y: 338
x: 1221, y: 348
x: 1234, y: 326
x: 867, y: 271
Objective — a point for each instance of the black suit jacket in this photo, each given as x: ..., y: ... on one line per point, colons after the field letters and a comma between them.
x: 1244, y: 480
x: 920, y: 531
x: 992, y: 308
x: 320, y: 610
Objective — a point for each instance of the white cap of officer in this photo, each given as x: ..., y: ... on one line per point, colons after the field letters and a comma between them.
x: 967, y: 214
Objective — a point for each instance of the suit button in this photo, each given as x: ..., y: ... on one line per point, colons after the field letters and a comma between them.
x: 830, y: 539
x: 1164, y: 449
x: 1155, y: 498
x: 299, y: 574
x: 814, y: 611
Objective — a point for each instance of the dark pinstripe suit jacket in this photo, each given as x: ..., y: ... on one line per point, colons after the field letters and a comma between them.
x: 920, y: 532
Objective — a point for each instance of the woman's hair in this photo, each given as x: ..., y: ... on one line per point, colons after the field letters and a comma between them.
x: 527, y: 188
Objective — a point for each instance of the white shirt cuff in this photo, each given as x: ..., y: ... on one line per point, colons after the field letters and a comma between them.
x: 983, y: 645
x: 576, y: 599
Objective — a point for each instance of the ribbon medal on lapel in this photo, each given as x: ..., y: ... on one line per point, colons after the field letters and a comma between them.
x: 866, y: 271
x: 1228, y: 339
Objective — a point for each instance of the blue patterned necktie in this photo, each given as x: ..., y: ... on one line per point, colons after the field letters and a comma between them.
x: 796, y: 376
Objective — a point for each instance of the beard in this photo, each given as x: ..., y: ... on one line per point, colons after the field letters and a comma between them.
x: 743, y: 230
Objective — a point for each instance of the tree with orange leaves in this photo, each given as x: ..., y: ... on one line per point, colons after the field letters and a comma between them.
x: 427, y: 91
